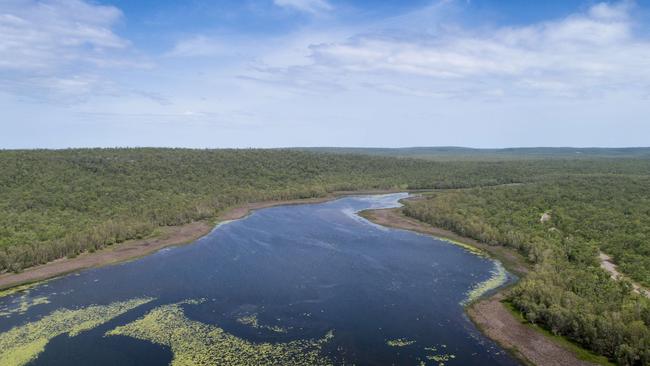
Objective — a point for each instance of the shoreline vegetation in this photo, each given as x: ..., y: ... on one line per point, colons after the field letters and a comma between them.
x: 560, y: 225
x: 558, y: 212
x: 492, y: 314
x: 61, y: 203
x: 168, y: 237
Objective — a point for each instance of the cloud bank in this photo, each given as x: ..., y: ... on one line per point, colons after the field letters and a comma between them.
x: 320, y: 73
x: 582, y: 55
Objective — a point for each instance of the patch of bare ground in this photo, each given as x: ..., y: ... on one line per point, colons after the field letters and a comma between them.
x: 489, y: 314
x: 170, y: 236
x: 607, y: 263
x: 495, y: 321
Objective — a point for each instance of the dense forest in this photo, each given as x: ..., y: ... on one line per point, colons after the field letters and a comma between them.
x: 515, y: 153
x: 567, y: 292
x: 57, y: 203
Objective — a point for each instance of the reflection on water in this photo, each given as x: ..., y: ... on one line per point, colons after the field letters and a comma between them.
x: 303, y: 285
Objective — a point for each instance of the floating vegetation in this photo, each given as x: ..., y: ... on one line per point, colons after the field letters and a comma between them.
x: 443, y: 357
x: 20, y: 288
x: 197, y: 343
x: 193, y: 301
x: 399, y: 342
x: 23, y: 344
x: 252, y: 321
x: 498, y: 277
x: 25, y: 304
x: 440, y: 358
x: 470, y: 248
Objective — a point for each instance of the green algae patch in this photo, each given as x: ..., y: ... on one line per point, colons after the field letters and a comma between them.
x: 498, y: 277
x: 470, y: 248
x: 25, y: 304
x: 21, y: 288
x: 399, y: 342
x: 439, y: 357
x: 252, y: 321
x: 197, y: 343
x: 22, y: 344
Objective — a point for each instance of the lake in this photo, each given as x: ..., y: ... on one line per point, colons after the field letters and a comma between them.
x: 301, y: 284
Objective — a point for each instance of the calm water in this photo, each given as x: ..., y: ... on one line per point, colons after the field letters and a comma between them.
x: 300, y: 272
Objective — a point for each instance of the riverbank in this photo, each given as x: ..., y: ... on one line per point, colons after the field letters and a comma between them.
x: 168, y: 236
x: 490, y: 314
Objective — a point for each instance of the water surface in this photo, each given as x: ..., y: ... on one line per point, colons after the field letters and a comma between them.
x: 305, y: 284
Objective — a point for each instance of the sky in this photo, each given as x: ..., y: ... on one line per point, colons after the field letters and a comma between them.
x: 281, y: 73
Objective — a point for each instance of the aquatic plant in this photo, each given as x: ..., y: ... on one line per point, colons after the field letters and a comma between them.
x: 440, y: 358
x: 399, y: 342
x: 197, y: 343
x: 22, y: 344
x: 21, y: 288
x: 498, y: 277
x: 470, y: 248
x: 252, y: 321
x: 564, y: 291
x: 25, y: 304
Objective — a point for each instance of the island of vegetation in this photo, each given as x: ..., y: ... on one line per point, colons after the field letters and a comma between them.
x: 559, y: 210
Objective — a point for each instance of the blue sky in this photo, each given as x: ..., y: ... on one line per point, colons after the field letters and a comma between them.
x: 274, y: 73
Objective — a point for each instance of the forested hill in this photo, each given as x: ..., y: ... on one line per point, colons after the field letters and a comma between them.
x: 560, y: 224
x: 465, y: 153
x: 56, y: 203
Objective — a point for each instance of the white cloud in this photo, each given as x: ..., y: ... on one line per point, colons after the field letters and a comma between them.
x: 611, y: 11
x: 61, y: 51
x: 196, y: 46
x: 46, y: 34
x: 445, y: 81
x: 585, y: 54
x: 308, y: 6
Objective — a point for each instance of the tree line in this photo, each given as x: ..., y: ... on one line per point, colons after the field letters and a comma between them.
x: 57, y: 203
x: 568, y: 292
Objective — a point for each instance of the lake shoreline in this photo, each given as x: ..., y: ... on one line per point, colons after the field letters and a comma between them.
x: 490, y: 314
x: 170, y: 236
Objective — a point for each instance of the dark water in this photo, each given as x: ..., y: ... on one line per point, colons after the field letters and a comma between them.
x: 308, y: 269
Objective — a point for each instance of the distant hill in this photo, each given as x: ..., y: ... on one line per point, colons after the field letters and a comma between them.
x: 454, y: 152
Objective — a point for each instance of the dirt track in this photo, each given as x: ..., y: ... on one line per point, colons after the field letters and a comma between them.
x: 608, y: 265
